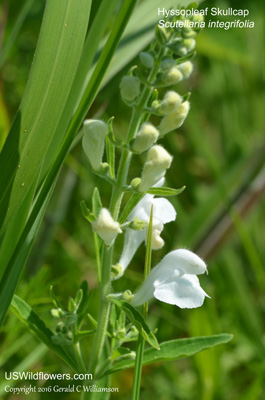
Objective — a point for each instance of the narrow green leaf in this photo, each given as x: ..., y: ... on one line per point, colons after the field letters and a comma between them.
x: 110, y: 149
x: 165, y: 191
x: 95, y: 33
x: 25, y: 313
x: 34, y: 357
x: 188, y: 57
x: 132, y: 202
x: 15, y: 30
x: 96, y: 202
x: 14, y: 268
x: 175, y: 349
x: 138, y: 320
x: 85, y: 298
x: 47, y: 90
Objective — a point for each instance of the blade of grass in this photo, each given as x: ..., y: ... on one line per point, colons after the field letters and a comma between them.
x: 95, y: 34
x: 25, y: 365
x: 50, y: 80
x: 15, y: 31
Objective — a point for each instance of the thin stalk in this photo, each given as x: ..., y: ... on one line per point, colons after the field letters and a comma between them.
x: 138, y: 368
x: 79, y: 357
x: 141, y: 342
x: 115, y: 203
x: 105, y: 288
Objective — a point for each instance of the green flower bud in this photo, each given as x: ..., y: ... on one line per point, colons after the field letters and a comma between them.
x: 188, y: 32
x: 167, y: 64
x: 135, y: 183
x: 93, y: 142
x: 175, y: 119
x: 147, y: 60
x: 158, y: 161
x: 171, y: 77
x: 189, y: 44
x: 198, y: 17
x: 130, y: 88
x: 59, y: 327
x: 57, y: 313
x: 186, y: 68
x: 127, y: 295
x: 145, y: 138
x: 171, y: 101
x: 106, y: 227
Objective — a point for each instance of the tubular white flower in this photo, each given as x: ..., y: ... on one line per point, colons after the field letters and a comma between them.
x: 186, y: 68
x: 130, y: 87
x: 175, y: 119
x: 163, y: 212
x: 145, y: 138
x: 95, y: 132
x: 174, y: 281
x: 106, y: 227
x: 169, y: 103
x: 158, y: 161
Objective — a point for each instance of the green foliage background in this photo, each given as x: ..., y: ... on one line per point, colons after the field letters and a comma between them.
x: 219, y: 156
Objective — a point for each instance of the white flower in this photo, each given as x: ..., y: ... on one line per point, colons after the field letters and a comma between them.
x: 106, y: 227
x: 163, y: 212
x: 174, y: 281
x: 175, y: 119
x: 169, y: 103
x: 93, y: 142
x: 158, y: 161
x: 145, y: 138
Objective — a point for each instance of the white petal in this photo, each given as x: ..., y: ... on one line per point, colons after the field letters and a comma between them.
x: 143, y: 209
x: 184, y: 292
x: 132, y: 241
x: 163, y: 210
x: 183, y: 260
x: 144, y: 294
x: 160, y: 182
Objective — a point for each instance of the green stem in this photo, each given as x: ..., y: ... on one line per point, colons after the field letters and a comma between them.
x: 138, y: 368
x: 115, y: 203
x: 105, y: 288
x: 141, y: 341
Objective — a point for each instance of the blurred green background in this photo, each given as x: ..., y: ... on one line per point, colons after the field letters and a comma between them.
x: 219, y: 156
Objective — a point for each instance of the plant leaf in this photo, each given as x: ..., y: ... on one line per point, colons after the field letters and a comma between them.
x: 165, y: 191
x: 47, y: 90
x: 138, y: 320
x: 25, y: 313
x: 175, y: 349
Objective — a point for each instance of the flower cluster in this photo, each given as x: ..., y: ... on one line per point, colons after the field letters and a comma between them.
x: 150, y: 89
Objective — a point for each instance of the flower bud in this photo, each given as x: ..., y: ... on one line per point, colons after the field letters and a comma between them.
x: 93, y: 142
x: 186, y: 68
x: 145, y: 138
x: 106, y: 227
x: 171, y: 101
x: 175, y: 119
x: 198, y: 18
x: 188, y: 32
x: 189, y: 44
x: 167, y: 64
x: 147, y: 60
x: 127, y: 295
x: 135, y: 183
x: 171, y: 77
x: 130, y: 88
x: 57, y: 313
x: 157, y: 227
x: 158, y: 161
